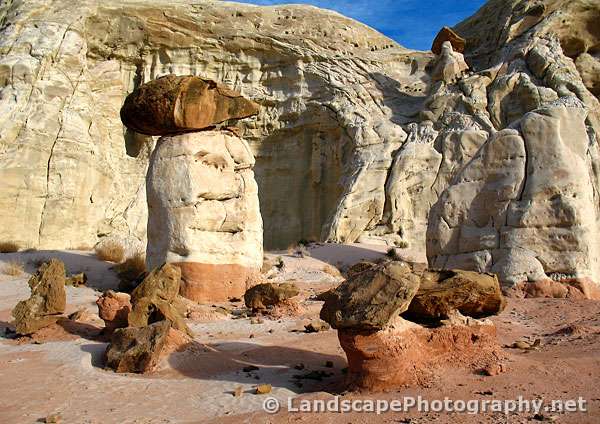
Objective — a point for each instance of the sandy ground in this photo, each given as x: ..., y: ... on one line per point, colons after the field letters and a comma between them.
x: 66, y: 377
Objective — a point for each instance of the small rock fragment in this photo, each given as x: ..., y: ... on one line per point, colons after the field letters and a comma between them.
x: 256, y: 320
x: 493, y: 369
x: 222, y: 310
x: 53, y: 418
x: 268, y: 294
x: 77, y: 280
x: 137, y: 349
x: 546, y: 418
x: 238, y: 391
x: 114, y: 308
x: 263, y: 389
x: 520, y: 344
x: 315, y: 326
x: 82, y: 315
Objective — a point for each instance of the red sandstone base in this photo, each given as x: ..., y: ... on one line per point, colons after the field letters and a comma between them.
x: 572, y: 288
x: 389, y: 359
x: 215, y: 283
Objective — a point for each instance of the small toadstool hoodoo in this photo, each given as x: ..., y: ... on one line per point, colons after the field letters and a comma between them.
x: 203, y: 208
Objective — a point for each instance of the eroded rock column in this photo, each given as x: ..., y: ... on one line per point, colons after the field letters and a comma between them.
x: 203, y: 208
x: 401, y: 325
x: 203, y: 213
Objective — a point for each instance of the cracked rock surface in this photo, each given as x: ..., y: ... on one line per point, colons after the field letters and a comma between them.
x: 204, y: 213
x: 354, y: 141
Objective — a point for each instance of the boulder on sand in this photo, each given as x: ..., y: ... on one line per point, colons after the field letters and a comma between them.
x: 140, y: 349
x: 114, y: 309
x: 155, y: 299
x: 47, y: 301
x: 263, y: 295
x: 370, y: 298
x: 385, y: 350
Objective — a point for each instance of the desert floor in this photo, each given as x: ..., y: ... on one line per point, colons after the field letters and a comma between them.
x: 60, y: 371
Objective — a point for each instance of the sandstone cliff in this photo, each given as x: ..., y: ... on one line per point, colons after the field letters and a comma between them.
x: 526, y: 206
x: 357, y: 137
x: 327, y: 86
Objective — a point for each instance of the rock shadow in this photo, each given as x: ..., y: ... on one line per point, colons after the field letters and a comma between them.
x: 405, y: 106
x: 96, y: 351
x: 298, y: 370
x: 100, y: 275
x: 81, y: 329
x: 346, y: 254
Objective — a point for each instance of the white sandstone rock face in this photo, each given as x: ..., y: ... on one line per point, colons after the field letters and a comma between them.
x: 526, y: 206
x: 328, y: 126
x: 354, y: 139
x: 203, y: 212
x: 450, y: 65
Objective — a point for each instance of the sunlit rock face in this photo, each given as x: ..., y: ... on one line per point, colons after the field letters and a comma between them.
x: 526, y: 204
x: 203, y: 213
x: 355, y: 140
x: 327, y: 87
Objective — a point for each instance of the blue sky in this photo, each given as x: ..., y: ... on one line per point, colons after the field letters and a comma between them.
x: 412, y: 23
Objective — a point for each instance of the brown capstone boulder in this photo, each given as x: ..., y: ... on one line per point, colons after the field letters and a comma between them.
x: 370, y: 298
x: 47, y: 301
x: 155, y: 299
x: 263, y: 295
x: 441, y: 293
x: 447, y: 34
x: 177, y: 104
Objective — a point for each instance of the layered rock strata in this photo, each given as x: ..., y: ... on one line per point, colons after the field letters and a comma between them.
x: 355, y: 140
x: 329, y: 123
x: 204, y: 215
x: 525, y: 207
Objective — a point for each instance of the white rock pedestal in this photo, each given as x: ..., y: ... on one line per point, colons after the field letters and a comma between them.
x: 203, y: 213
